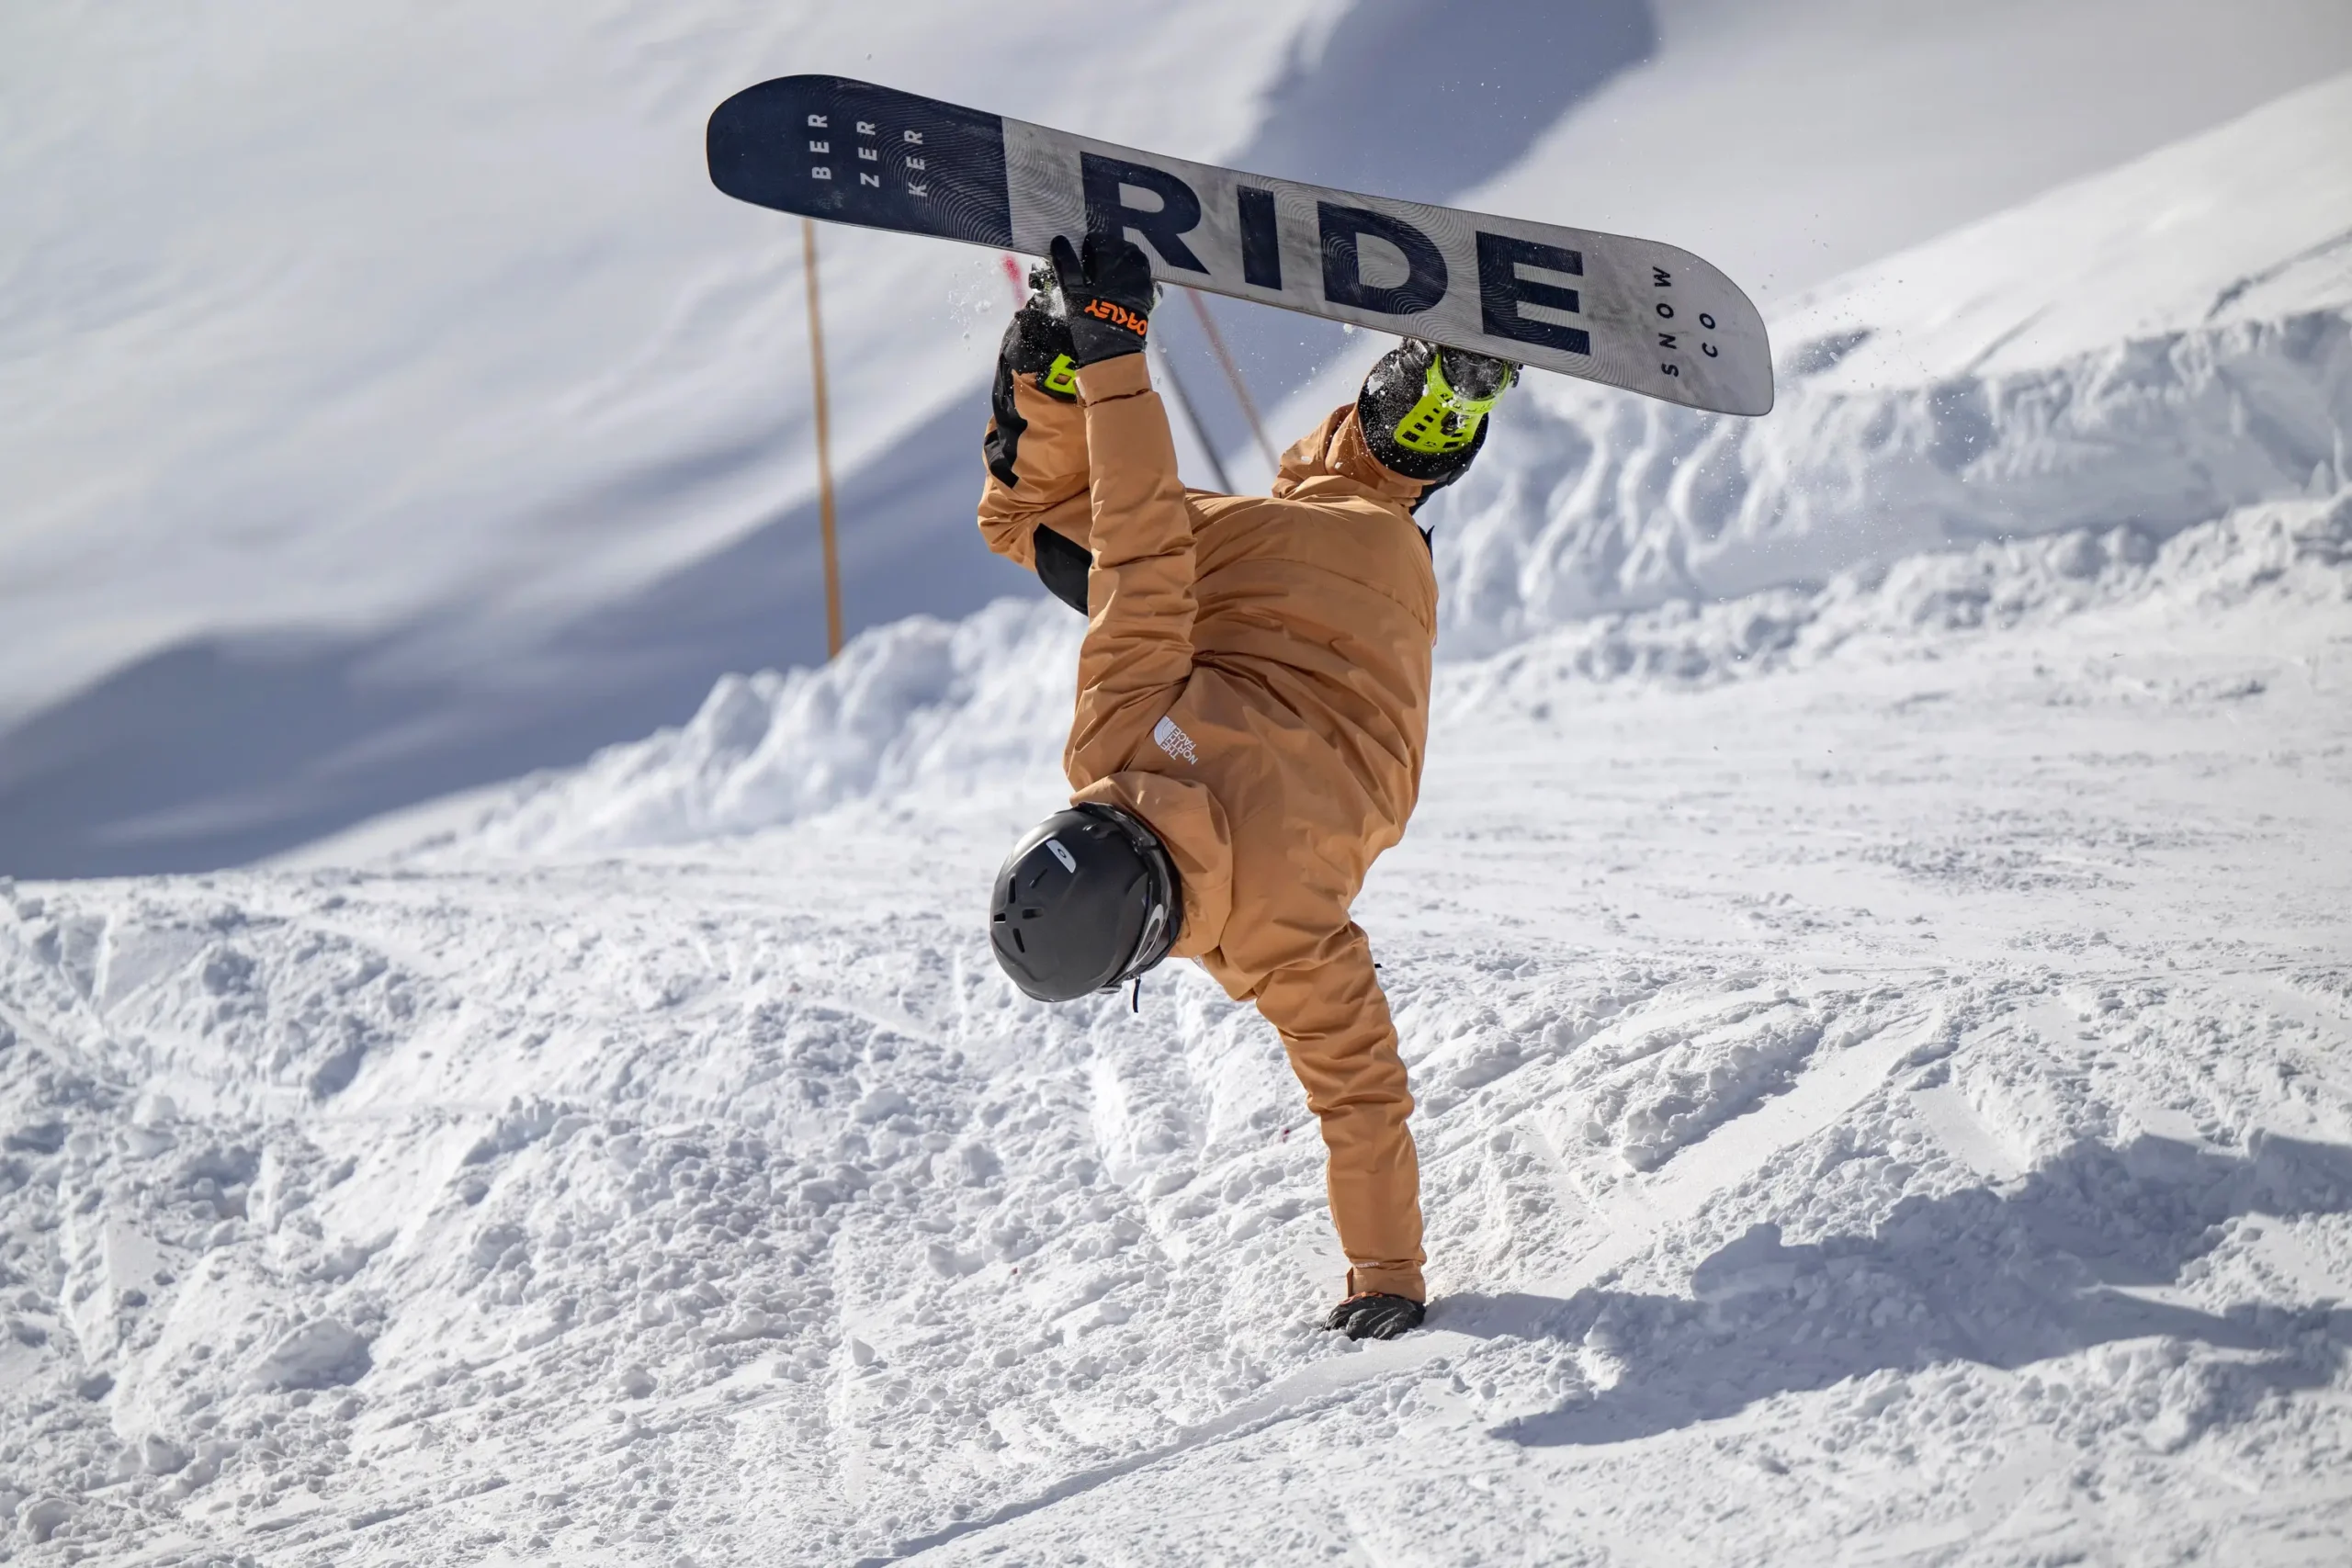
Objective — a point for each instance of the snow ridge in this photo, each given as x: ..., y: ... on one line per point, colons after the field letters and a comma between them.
x: 922, y: 706
x: 917, y: 705
x: 1594, y: 506
x: 2151, y: 346
x: 2298, y: 548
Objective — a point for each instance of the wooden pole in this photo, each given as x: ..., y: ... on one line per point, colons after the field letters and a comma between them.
x: 1185, y: 405
x: 824, y: 446
x: 1233, y: 373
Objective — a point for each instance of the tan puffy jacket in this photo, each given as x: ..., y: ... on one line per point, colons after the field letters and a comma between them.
x: 1255, y: 684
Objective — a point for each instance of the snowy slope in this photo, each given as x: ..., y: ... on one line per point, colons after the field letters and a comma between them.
x: 372, y: 376
x: 2152, y: 345
x: 387, y: 405
x: 2021, y: 376
x: 1790, y: 140
x: 272, y: 244
x: 1888, y: 1100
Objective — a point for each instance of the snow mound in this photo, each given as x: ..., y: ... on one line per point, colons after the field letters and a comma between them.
x: 2153, y: 346
x: 2299, y: 550
x: 919, y: 703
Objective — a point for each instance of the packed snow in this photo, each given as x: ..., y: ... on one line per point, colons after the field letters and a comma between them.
x: 1885, y: 1066
x: 1874, y: 957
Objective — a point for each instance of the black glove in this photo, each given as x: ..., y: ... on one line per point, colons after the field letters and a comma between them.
x: 1375, y: 1317
x: 1108, y: 288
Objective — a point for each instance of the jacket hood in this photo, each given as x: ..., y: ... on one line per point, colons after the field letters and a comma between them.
x: 1190, y: 825
x: 1336, y: 449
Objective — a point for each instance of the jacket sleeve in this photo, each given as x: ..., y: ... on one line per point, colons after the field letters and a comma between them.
x: 1138, y: 648
x: 1036, y: 450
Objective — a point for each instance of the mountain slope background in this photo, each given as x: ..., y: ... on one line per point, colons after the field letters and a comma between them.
x: 392, y: 408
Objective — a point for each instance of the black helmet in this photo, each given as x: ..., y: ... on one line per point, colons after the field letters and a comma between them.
x: 1087, y: 901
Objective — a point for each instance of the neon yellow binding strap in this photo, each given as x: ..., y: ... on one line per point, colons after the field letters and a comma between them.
x: 1445, y: 420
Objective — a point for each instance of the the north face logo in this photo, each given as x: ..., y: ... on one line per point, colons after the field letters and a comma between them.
x: 1172, y: 739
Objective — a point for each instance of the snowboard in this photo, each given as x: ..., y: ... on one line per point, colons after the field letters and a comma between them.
x: 1625, y: 312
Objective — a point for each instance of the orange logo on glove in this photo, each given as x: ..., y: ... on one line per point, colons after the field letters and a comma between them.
x: 1117, y: 315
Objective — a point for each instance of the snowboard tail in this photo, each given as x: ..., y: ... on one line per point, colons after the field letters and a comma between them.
x: 1626, y: 312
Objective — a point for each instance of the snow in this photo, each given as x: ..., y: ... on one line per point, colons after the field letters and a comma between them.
x: 1992, y: 412
x: 390, y: 407
x: 2151, y: 346
x: 1884, y: 1097
x: 1873, y: 956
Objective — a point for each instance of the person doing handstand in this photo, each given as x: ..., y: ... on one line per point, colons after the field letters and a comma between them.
x: 1253, y: 701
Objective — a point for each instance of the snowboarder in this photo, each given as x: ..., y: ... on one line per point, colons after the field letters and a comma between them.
x: 1253, y: 697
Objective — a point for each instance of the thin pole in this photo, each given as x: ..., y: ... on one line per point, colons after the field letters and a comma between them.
x: 1233, y: 373
x: 824, y: 446
x: 1185, y: 405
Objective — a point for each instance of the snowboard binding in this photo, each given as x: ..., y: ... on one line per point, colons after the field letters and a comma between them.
x: 1446, y: 419
x: 1424, y: 409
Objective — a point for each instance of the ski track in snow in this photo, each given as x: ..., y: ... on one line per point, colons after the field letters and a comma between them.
x: 1887, y: 1100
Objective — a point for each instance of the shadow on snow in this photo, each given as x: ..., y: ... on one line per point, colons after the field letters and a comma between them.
x: 2047, y: 1266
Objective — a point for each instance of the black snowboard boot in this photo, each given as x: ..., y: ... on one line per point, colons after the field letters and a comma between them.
x: 1424, y: 409
x: 1373, y: 1315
